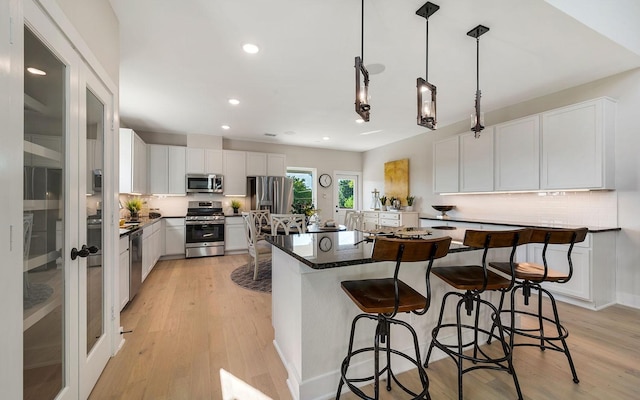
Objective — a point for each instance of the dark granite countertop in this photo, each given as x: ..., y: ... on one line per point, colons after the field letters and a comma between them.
x: 593, y: 229
x: 143, y: 222
x: 341, y: 249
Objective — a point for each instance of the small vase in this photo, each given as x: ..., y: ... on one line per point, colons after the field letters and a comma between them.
x: 408, y: 208
x: 235, y: 210
x: 134, y: 216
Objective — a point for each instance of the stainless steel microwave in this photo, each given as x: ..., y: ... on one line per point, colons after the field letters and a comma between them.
x: 204, y: 183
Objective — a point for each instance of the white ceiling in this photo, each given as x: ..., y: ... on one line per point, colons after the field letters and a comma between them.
x: 182, y: 60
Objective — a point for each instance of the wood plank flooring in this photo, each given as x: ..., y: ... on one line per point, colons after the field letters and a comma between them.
x: 190, y: 320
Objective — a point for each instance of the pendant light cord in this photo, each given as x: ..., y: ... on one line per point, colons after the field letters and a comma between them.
x: 426, y: 73
x: 477, y: 64
x: 362, y: 34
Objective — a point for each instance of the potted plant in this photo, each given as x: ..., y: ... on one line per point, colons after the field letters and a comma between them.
x: 303, y: 207
x: 235, y: 204
x: 383, y: 203
x: 410, y: 200
x: 133, y: 205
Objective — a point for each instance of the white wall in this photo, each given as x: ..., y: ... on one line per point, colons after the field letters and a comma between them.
x: 592, y: 208
x: 98, y: 25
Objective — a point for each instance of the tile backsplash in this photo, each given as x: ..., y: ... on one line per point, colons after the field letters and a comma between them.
x: 597, y: 208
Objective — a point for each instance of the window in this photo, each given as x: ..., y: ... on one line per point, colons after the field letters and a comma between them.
x: 304, y: 185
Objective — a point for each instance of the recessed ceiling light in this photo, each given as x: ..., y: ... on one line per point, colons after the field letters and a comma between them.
x: 270, y: 134
x: 250, y: 48
x: 325, y: 138
x: 36, y: 71
x: 359, y: 121
x: 234, y: 102
x: 225, y: 127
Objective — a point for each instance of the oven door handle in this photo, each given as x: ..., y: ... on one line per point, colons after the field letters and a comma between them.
x: 204, y: 222
x: 207, y: 235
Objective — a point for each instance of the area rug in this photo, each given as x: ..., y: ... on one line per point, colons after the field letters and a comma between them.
x: 243, y: 276
x: 40, y: 292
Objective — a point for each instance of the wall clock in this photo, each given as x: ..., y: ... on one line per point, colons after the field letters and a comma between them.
x: 325, y: 180
x: 325, y: 244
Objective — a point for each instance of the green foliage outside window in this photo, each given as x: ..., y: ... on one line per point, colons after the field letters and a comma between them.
x: 345, y: 193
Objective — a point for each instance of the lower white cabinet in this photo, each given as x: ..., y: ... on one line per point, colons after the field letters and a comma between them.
x: 151, y: 247
x: 174, y: 236
x: 374, y: 219
x: 235, y: 239
x: 123, y: 272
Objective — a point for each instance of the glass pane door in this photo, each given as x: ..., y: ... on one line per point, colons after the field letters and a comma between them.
x: 44, y: 221
x: 94, y: 271
x: 345, y: 195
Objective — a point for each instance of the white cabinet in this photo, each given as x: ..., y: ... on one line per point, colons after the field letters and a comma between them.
x: 578, y: 146
x: 276, y: 164
x: 375, y: 219
x: 517, y: 154
x: 235, y: 239
x: 476, y: 161
x: 166, y: 169
x: 256, y: 164
x: 235, y: 175
x: 594, y: 273
x: 174, y: 236
x: 123, y: 272
x: 151, y: 247
x: 204, y: 161
x: 266, y: 164
x: 445, y: 165
x: 133, y: 163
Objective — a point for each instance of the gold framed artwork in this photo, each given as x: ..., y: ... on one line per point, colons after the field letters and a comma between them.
x: 396, y: 179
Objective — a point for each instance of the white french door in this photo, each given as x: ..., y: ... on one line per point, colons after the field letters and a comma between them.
x: 67, y: 111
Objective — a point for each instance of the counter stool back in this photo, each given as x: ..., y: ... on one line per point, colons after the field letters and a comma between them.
x: 530, y: 275
x: 288, y: 223
x: 381, y: 299
x: 471, y: 281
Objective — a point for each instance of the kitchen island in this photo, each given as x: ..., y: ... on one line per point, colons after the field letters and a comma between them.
x: 312, y: 316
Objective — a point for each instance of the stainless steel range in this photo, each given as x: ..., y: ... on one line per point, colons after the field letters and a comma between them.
x: 204, y: 229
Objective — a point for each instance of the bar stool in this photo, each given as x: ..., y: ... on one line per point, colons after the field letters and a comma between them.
x: 381, y: 300
x: 530, y: 276
x: 475, y: 280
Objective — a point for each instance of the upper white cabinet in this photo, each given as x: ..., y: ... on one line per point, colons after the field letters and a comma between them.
x: 445, y: 165
x: 578, y: 146
x: 266, y: 164
x: 133, y: 163
x: 276, y: 164
x: 517, y: 154
x: 204, y: 161
x: 256, y: 164
x: 476, y: 161
x: 235, y: 173
x: 166, y: 169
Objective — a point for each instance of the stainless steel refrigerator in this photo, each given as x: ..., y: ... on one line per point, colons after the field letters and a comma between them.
x: 274, y: 193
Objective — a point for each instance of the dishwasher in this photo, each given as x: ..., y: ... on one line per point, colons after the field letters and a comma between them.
x: 135, y: 262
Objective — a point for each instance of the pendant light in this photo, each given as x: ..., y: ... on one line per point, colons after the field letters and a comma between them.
x: 362, y: 79
x: 426, y: 90
x: 477, y: 118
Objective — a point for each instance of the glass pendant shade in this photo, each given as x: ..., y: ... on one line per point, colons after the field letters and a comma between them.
x: 362, y: 90
x: 477, y: 117
x: 426, y: 104
x: 426, y: 91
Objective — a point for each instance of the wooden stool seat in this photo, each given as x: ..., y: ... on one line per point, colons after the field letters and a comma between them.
x: 378, y: 296
x: 470, y: 277
x: 530, y: 271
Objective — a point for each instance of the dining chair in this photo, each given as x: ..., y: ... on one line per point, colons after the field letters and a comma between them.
x: 354, y: 220
x: 257, y: 247
x: 288, y: 223
x: 262, y: 220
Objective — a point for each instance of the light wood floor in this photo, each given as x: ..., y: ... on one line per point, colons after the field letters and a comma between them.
x: 189, y: 320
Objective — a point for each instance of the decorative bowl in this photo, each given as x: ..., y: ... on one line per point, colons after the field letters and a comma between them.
x: 443, y: 210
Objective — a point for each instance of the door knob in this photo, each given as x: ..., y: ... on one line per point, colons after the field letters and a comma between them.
x: 83, y: 252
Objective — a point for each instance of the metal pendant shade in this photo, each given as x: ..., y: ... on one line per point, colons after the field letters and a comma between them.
x: 362, y: 79
x: 477, y: 118
x: 426, y: 92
